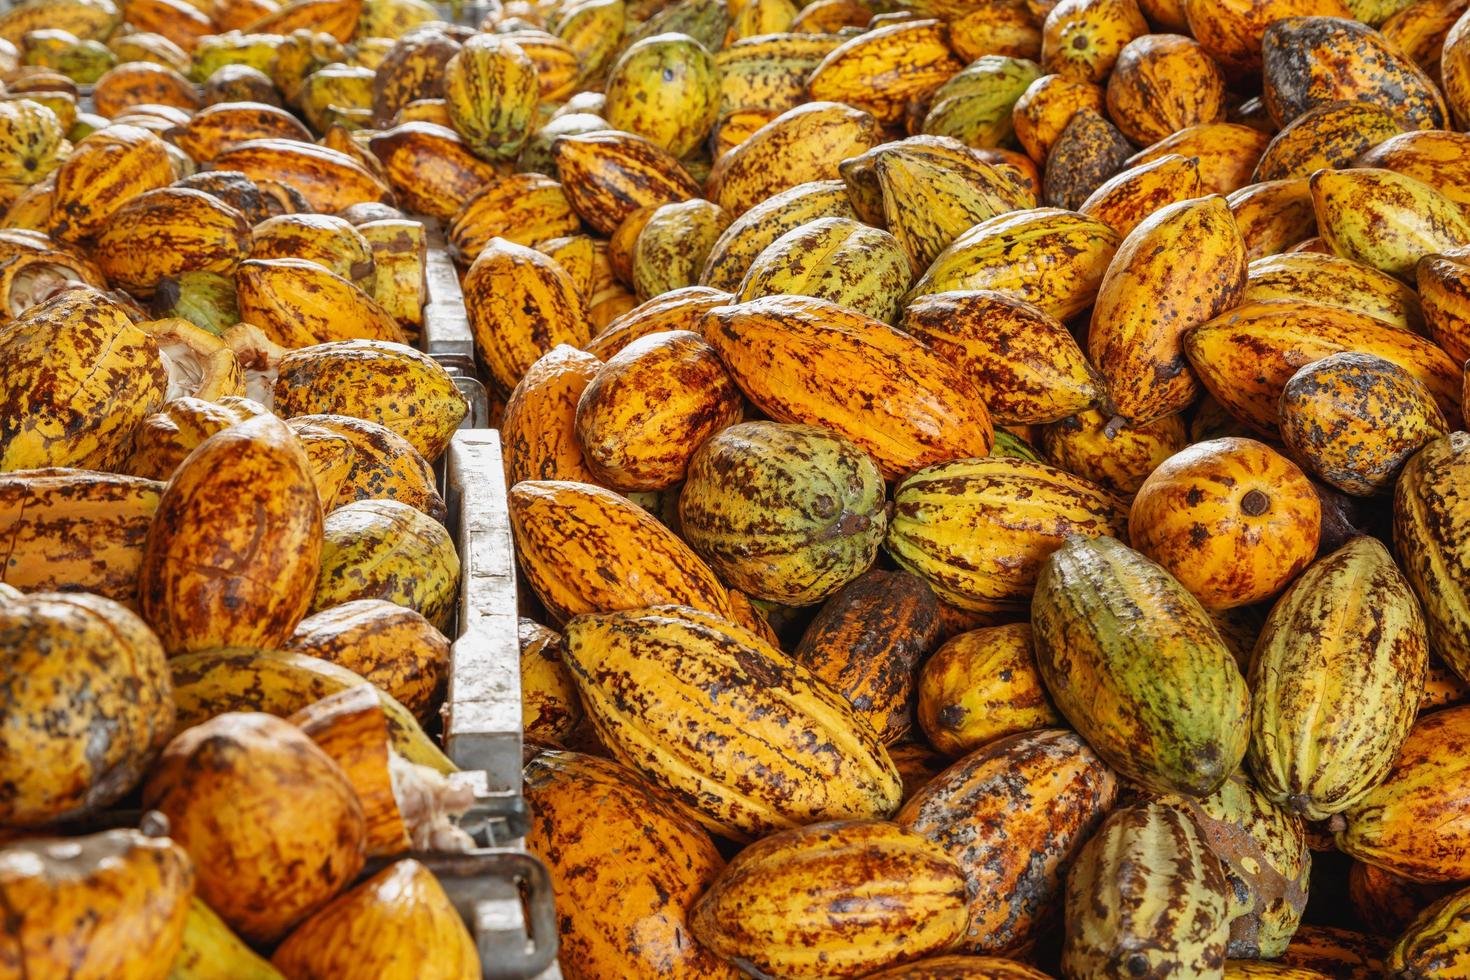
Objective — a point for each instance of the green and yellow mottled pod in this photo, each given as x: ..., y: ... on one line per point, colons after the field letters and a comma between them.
x: 1134, y: 662
x: 979, y: 530
x: 1147, y: 896
x: 666, y: 89
x: 384, y: 549
x: 769, y: 72
x: 748, y: 235
x: 750, y: 740
x: 785, y: 513
x: 1437, y: 942
x: 1431, y: 530
x: 1385, y: 219
x: 1331, y: 280
x: 491, y: 90
x: 1345, y: 644
x: 868, y: 894
x: 835, y: 259
x: 673, y: 245
x: 975, y: 105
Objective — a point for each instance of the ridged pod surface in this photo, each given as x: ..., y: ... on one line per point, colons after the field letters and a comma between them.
x: 1416, y: 822
x: 75, y: 530
x: 1246, y: 356
x: 215, y: 127
x: 1385, y: 219
x: 1148, y: 299
x: 1311, y: 61
x: 833, y: 899
x: 55, y: 886
x: 521, y: 304
x: 1334, y: 281
x: 1330, y: 135
x: 1050, y: 258
x: 1273, y: 216
x: 1444, y: 289
x: 394, y: 648
x: 1026, y: 365
x: 1431, y: 530
x: 867, y: 641
x: 522, y: 208
x: 1117, y: 457
x: 981, y: 686
x: 539, y: 425
x: 589, y: 550
x: 1263, y: 851
x: 384, y: 466
x: 330, y: 181
x: 79, y: 377
x: 1133, y: 661
x: 386, y: 549
x: 927, y: 203
x: 102, y: 173
x: 979, y: 530
x: 1227, y: 153
x: 678, y: 309
x: 1082, y: 39
x: 491, y: 91
x: 550, y: 709
x: 1354, y: 420
x: 785, y: 513
x: 1045, y: 108
x: 673, y: 244
x: 1123, y: 201
x: 1013, y: 814
x: 796, y: 358
x: 623, y: 911
x: 85, y: 709
x: 665, y: 88
x: 233, y: 551
x: 801, y: 145
x: 1163, y: 83
x: 331, y: 242
x: 432, y: 169
x: 298, y: 303
x: 1345, y: 644
x: 1437, y: 942
x: 1147, y: 897
x: 748, y: 235
x: 608, y: 175
x: 650, y: 407
x: 769, y: 72
x: 749, y: 739
x: 1231, y: 30
x: 1434, y: 156
x: 884, y: 69
x: 836, y: 259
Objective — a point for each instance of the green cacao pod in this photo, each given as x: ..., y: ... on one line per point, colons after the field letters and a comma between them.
x: 1135, y: 663
x: 1335, y: 681
x: 749, y: 234
x: 836, y: 259
x: 673, y: 245
x: 787, y: 513
x: 975, y: 105
x: 1146, y: 898
x: 665, y: 88
x: 491, y: 92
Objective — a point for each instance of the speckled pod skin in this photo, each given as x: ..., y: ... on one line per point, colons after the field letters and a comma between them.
x: 673, y: 244
x: 911, y: 408
x: 539, y: 427
x: 1444, y: 288
x: 1045, y: 108
x: 748, y: 235
x: 329, y: 241
x: 1082, y: 39
x: 215, y: 127
x: 391, y: 384
x: 395, y: 648
x: 1429, y: 530
x: 522, y: 208
x: 1415, y: 822
x: 928, y: 201
x: 1333, y: 134
x: 1230, y: 31
x: 1116, y: 457
x: 331, y: 181
x: 1336, y: 952
x: 1245, y: 357
x: 1147, y: 898
x: 1132, y: 660
x: 1124, y: 200
x: 883, y: 70
x: 1434, y: 156
x: 1048, y: 257
x: 589, y: 550
x: 1227, y: 153
x: 769, y: 72
x: 432, y: 169
x: 981, y: 686
x: 621, y: 912
x: 1311, y: 61
x: 1088, y: 152
x: 1273, y: 216
x: 382, y: 466
x: 75, y: 530
x: 103, y: 172
x: 1385, y: 219
x: 550, y: 709
x: 86, y: 705
x: 1437, y: 943
x: 299, y: 303
x: 665, y: 88
x: 1013, y: 814
x: 835, y: 259
x: 1163, y: 83
x: 976, y: 105
x: 397, y: 925
x: 385, y: 549
x: 833, y: 900
x: 1331, y: 280
x: 232, y: 555
x: 491, y: 91
x: 787, y: 513
x: 1355, y: 420
x: 786, y: 751
x: 108, y: 906
x: 678, y: 309
x: 978, y: 530
x: 608, y: 175
x: 79, y: 376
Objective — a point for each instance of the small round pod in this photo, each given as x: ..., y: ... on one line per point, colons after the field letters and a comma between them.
x: 650, y: 407
x: 981, y: 686
x: 385, y: 549
x: 1082, y: 39
x: 1232, y: 519
x: 397, y: 925
x: 836, y: 899
x: 85, y: 705
x: 108, y: 906
x: 1354, y: 420
x: 665, y: 88
x: 263, y: 866
x: 673, y: 244
x: 786, y: 513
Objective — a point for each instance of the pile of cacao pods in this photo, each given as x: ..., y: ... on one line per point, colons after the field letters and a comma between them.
x: 225, y: 575
x: 985, y: 473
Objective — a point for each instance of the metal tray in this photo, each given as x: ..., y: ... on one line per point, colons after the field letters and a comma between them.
x: 503, y: 893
